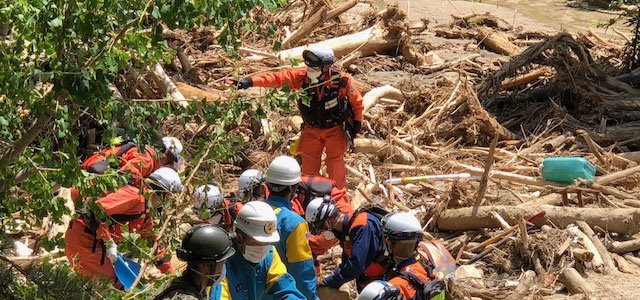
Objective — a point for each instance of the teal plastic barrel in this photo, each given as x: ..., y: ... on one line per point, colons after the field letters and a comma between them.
x: 567, y: 169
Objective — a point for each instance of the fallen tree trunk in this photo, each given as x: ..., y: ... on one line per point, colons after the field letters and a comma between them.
x: 167, y: 86
x: 525, y: 78
x: 575, y: 283
x: 192, y: 92
x: 526, y: 281
x: 606, y: 179
x: 621, y: 220
x: 596, y: 262
x: 386, y: 91
x: 582, y: 254
x: 623, y: 265
x: 382, y: 149
x: 609, y: 266
x: 497, y: 42
x: 632, y: 156
x: 372, y: 40
x: 317, y: 19
x: 624, y: 247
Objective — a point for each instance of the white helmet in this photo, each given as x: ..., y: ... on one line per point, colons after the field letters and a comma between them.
x: 173, y: 146
x: 380, y: 290
x: 318, y: 211
x: 318, y: 55
x: 283, y: 170
x: 210, y: 195
x: 402, y: 226
x: 247, y: 183
x: 257, y: 220
x: 168, y: 179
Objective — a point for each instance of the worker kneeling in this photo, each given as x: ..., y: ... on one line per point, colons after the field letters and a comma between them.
x: 206, y: 249
x: 410, y: 273
x: 360, y: 236
x: 255, y: 270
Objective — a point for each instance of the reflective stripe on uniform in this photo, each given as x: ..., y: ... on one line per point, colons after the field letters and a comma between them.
x: 330, y: 104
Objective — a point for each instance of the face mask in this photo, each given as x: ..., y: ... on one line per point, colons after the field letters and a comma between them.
x: 313, y: 74
x: 255, y: 254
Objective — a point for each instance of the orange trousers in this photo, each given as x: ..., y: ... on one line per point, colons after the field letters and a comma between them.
x: 333, y: 141
x: 82, y: 256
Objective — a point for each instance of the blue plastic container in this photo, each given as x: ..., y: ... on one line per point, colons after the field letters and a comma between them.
x: 567, y: 169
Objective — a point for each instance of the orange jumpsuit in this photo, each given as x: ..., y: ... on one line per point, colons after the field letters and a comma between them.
x: 140, y: 165
x: 329, y: 136
x: 86, y: 249
x: 414, y: 267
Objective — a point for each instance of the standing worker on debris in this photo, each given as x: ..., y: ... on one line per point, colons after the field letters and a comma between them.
x: 360, y: 235
x: 402, y: 233
x: 255, y: 271
x: 206, y: 249
x: 332, y: 99
x: 282, y: 180
x: 92, y: 241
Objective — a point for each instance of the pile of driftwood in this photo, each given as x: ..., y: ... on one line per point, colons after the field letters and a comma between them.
x: 508, y: 100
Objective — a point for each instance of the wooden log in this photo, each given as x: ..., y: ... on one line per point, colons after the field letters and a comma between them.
x: 500, y: 220
x: 497, y: 42
x: 632, y: 156
x: 192, y: 92
x: 167, y: 86
x: 549, y: 199
x: 582, y: 254
x: 624, y: 247
x: 632, y: 259
x: 556, y: 142
x: 606, y: 179
x: 372, y: 40
x: 632, y: 203
x: 306, y: 28
x: 382, y: 149
x: 621, y: 220
x: 597, y: 263
x: 575, y: 283
x: 609, y: 266
x: 387, y: 91
x: 623, y: 265
x: 485, y: 174
x: 525, y: 78
x: 526, y: 281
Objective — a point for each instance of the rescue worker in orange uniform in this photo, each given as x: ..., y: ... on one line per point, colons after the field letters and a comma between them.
x: 360, y: 235
x: 331, y: 98
x: 140, y: 165
x: 402, y: 233
x: 92, y: 241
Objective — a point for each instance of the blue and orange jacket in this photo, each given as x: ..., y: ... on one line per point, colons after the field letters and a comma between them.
x: 248, y: 281
x: 411, y: 266
x: 294, y: 246
x: 361, y: 246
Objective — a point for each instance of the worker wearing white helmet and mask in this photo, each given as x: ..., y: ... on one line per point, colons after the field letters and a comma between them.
x: 92, y: 240
x: 410, y: 273
x: 256, y: 271
x: 332, y: 111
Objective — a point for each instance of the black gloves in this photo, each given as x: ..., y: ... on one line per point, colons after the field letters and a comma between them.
x: 242, y: 84
x: 357, y: 126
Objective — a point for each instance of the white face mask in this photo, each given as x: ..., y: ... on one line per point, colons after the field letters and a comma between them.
x: 255, y: 254
x: 313, y: 74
